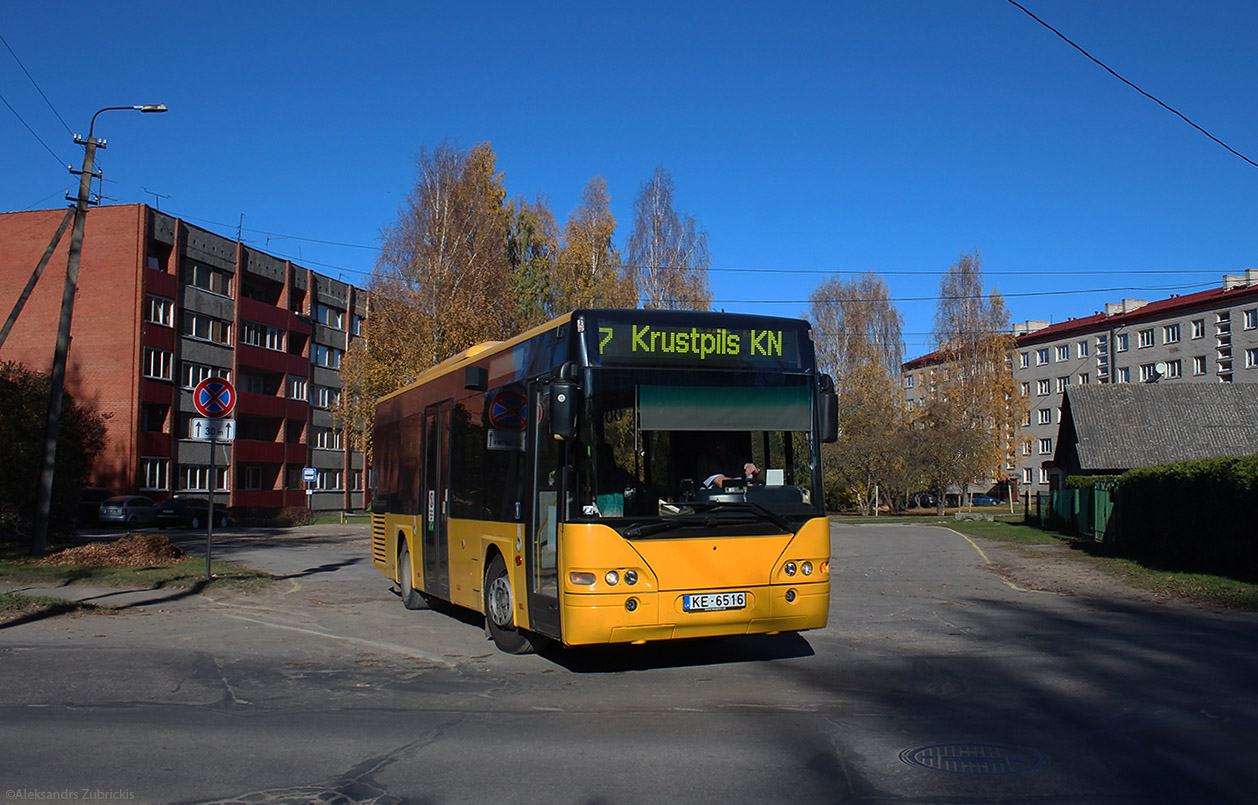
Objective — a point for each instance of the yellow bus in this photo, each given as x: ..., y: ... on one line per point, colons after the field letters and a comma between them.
x: 613, y: 476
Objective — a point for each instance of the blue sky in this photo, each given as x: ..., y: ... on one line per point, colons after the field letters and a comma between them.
x: 807, y: 138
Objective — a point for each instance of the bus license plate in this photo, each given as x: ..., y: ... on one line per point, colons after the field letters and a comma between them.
x: 713, y: 602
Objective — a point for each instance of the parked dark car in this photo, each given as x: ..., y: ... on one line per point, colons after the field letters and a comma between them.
x: 984, y: 500
x: 189, y: 512
x: 923, y: 500
x: 126, y: 510
x: 89, y: 504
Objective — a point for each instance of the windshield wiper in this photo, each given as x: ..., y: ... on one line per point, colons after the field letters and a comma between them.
x: 745, y: 506
x: 647, y: 529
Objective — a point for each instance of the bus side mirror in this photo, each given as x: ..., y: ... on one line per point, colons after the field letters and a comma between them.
x: 828, y: 408
x: 564, y: 396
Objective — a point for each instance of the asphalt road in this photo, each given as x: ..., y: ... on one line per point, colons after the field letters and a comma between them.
x: 936, y: 681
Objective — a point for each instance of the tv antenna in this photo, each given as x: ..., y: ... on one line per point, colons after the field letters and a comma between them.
x: 157, y: 204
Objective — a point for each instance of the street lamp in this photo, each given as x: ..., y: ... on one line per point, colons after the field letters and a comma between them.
x: 57, y: 381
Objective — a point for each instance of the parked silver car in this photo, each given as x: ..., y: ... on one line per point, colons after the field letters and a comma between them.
x: 127, y: 510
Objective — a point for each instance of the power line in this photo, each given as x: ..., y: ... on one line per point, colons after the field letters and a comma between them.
x: 60, y: 161
x: 33, y: 83
x: 1107, y: 69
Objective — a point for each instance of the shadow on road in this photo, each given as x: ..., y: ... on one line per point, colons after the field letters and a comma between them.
x: 678, y: 653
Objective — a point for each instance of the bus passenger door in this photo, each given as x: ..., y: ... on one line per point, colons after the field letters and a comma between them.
x: 542, y: 548
x: 435, y: 500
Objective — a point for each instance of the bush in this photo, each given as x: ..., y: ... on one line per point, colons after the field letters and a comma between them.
x: 23, y: 417
x: 1087, y: 481
x: 271, y: 516
x: 1193, y: 515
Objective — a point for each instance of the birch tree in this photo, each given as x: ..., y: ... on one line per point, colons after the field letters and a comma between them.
x: 976, y: 408
x: 588, y: 270
x: 858, y: 337
x: 668, y: 253
x: 442, y: 282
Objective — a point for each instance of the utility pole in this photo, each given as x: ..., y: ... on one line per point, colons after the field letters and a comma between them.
x: 56, y: 391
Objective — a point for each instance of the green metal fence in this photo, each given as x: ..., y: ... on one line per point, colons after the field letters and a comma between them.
x: 1086, y: 512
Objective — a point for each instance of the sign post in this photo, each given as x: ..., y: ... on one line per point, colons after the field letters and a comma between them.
x: 214, y: 398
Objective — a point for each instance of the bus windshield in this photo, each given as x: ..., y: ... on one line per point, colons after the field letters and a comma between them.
x: 668, y: 445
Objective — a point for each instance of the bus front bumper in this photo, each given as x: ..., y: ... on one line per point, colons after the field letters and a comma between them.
x: 634, y: 617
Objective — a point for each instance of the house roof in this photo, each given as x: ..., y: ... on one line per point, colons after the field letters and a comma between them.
x: 1125, y: 425
x: 1212, y: 298
x: 1160, y: 308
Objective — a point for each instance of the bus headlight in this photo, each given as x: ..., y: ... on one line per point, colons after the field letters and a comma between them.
x: 631, y: 577
x: 806, y: 568
x: 790, y: 568
x: 612, y: 578
x: 790, y: 596
x: 631, y: 604
x: 581, y: 579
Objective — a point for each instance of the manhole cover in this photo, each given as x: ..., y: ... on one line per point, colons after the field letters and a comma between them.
x: 975, y: 758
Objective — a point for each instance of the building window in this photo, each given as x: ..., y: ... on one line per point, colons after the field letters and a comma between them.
x: 193, y: 373
x: 1026, y: 419
x: 326, y: 397
x: 154, y: 474
x: 296, y: 387
x: 1199, y: 328
x: 158, y: 364
x: 1251, y: 358
x: 1026, y: 447
x: 327, y: 439
x: 1042, y: 387
x: 1251, y: 319
x: 1024, y: 360
x: 1123, y: 376
x: 1170, y: 334
x: 1063, y: 352
x: 254, y: 383
x: 1174, y: 368
x: 1199, y: 366
x: 1146, y: 338
x: 1120, y: 342
x: 1046, y: 447
x: 262, y: 335
x: 196, y: 478
x: 1082, y: 349
x: 209, y: 279
x: 1102, y: 345
x: 357, y: 476
x: 356, y: 325
x: 1046, y: 416
x: 1026, y: 475
x: 1062, y: 383
x: 1041, y: 356
x: 159, y: 310
x: 1147, y: 373
x: 207, y: 328
x: 1085, y: 379
x: 908, y: 382
x: 329, y: 480
x: 253, y: 477
x: 153, y: 417
x: 327, y: 356
x: 1026, y: 389
x: 1043, y: 475
x: 328, y: 315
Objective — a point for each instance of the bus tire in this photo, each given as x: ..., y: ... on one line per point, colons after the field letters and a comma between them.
x: 411, y: 598
x: 500, y: 610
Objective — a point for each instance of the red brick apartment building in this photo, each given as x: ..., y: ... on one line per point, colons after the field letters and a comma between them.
x: 162, y: 304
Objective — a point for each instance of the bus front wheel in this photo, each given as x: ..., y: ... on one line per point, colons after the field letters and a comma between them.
x: 500, y: 610
x: 411, y: 598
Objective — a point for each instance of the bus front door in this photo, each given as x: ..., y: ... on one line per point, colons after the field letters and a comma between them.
x: 435, y: 500
x: 542, y: 551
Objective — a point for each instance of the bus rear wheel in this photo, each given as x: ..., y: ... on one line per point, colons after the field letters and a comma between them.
x: 411, y: 598
x: 500, y: 611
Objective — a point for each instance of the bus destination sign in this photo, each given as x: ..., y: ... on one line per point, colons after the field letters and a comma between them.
x: 628, y: 342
